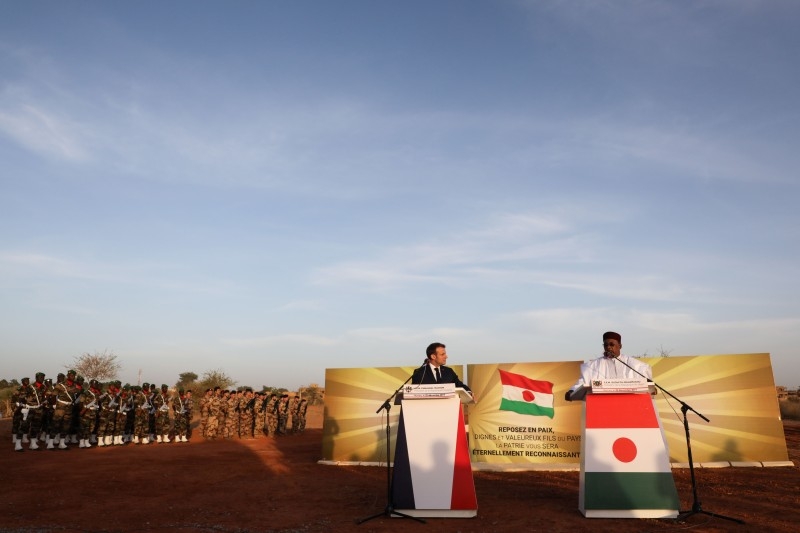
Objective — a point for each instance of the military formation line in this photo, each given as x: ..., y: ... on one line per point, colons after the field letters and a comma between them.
x: 57, y: 416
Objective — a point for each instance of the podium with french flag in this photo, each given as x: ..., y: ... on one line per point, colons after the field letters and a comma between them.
x: 432, y: 468
x: 625, y: 469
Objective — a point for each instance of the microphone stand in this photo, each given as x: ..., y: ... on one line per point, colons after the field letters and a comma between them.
x: 685, y: 408
x: 389, y: 510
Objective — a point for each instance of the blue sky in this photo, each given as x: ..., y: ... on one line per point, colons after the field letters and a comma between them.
x: 276, y: 188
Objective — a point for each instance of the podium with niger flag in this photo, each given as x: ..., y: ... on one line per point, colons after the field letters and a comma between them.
x: 625, y: 469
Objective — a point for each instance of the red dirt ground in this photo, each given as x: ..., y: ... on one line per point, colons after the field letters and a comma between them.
x: 277, y: 485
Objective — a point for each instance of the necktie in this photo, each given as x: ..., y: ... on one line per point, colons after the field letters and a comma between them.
x: 436, y: 373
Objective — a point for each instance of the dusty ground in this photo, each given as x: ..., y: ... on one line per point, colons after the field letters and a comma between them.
x: 277, y: 485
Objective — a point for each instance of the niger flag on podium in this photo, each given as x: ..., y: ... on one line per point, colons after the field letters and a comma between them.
x: 625, y: 470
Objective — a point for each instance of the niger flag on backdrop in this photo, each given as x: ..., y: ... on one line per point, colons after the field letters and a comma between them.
x: 526, y: 396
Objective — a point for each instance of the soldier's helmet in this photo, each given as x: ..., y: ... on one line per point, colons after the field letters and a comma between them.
x: 118, y: 384
x: 61, y: 375
x: 180, y: 391
x: 71, y: 372
x: 80, y: 379
x: 39, y: 375
x: 94, y: 383
x: 26, y: 381
x: 145, y: 385
x: 48, y: 381
x: 164, y: 387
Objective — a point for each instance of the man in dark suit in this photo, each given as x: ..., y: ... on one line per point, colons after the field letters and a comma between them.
x: 434, y: 371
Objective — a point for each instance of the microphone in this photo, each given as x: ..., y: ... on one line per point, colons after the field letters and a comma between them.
x: 424, y: 367
x: 629, y: 366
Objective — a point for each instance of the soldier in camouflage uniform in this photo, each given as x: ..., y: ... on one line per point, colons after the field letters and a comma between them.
x: 180, y: 408
x: 215, y: 414
x: 260, y: 412
x: 107, y: 415
x: 75, y: 422
x: 142, y: 408
x: 246, y: 414
x: 125, y: 413
x: 19, y: 422
x: 88, y: 405
x: 272, y: 414
x: 231, y: 415
x: 37, y: 403
x: 204, y: 403
x: 49, y: 409
x: 189, y: 413
x: 301, y: 416
x: 161, y: 406
x: 295, y: 415
x: 65, y: 392
x: 283, y: 414
x: 151, y: 419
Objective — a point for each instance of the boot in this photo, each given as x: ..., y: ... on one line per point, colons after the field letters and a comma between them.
x: 86, y: 443
x: 165, y: 439
x: 183, y: 438
x: 14, y: 438
x: 100, y: 442
x: 136, y: 439
x: 145, y: 440
x: 50, y: 445
x: 18, y: 446
x: 159, y: 439
x: 25, y: 439
x: 109, y: 440
x: 93, y: 439
x: 62, y: 443
x: 34, y: 444
x: 73, y: 439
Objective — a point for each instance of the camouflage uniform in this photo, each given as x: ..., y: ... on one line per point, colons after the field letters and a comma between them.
x: 142, y: 408
x: 179, y: 411
x: 49, y: 408
x: 107, y: 417
x: 125, y: 413
x: 295, y: 414
x: 37, y: 403
x: 161, y: 406
x: 246, y: 414
x: 189, y: 414
x: 283, y: 414
x: 301, y: 415
x: 88, y: 405
x: 204, y: 404
x: 272, y: 415
x: 20, y: 424
x: 231, y: 416
x: 216, y: 415
x: 75, y: 422
x: 65, y: 392
x: 151, y: 417
x: 260, y: 412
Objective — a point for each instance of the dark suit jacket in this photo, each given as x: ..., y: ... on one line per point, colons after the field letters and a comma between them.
x: 425, y: 375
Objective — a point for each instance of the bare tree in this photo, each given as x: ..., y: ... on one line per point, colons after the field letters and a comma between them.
x: 102, y: 366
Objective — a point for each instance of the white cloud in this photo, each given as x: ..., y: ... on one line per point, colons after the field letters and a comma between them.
x: 42, y: 131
